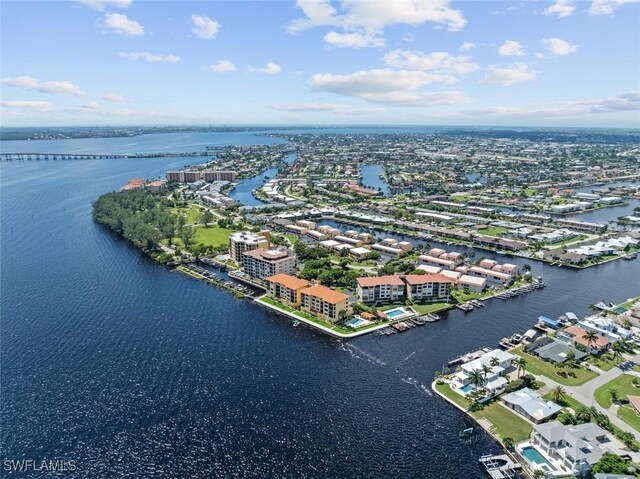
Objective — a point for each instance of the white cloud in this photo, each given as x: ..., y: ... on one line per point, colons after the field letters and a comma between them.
x: 509, y: 75
x: 511, y: 48
x: 204, y: 27
x: 408, y: 37
x: 372, y: 16
x: 32, y: 106
x: 150, y: 57
x: 101, y: 5
x: 353, y: 40
x: 606, y: 7
x: 54, y: 87
x: 122, y: 25
x: 92, y: 105
x: 558, y: 47
x: 113, y: 97
x: 466, y: 46
x: 270, y: 69
x: 561, y: 8
x: 385, y: 86
x: 438, y: 62
x: 336, y: 108
x: 626, y: 102
x: 223, y: 66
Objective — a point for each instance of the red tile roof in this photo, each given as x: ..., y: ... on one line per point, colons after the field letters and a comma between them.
x: 577, y: 332
x: 288, y: 281
x: 326, y: 294
x: 380, y: 280
x: 427, y: 278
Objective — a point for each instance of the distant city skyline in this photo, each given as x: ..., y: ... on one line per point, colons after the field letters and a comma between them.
x: 407, y: 62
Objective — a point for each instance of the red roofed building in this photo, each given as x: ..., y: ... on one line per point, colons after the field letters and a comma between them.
x: 380, y: 289
x: 286, y: 287
x: 324, y: 301
x: 428, y: 288
x: 577, y: 337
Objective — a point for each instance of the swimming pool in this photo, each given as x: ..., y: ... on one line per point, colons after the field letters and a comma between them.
x: 466, y: 389
x: 397, y: 313
x: 532, y: 455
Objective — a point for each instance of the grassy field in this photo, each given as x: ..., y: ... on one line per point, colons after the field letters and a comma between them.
x: 493, y: 231
x: 505, y: 423
x: 213, y: 235
x: 622, y: 384
x: 543, y: 368
x: 430, y: 307
x: 630, y: 416
x: 461, y: 295
x: 629, y: 303
x: 567, y: 402
x: 605, y: 362
x: 191, y: 213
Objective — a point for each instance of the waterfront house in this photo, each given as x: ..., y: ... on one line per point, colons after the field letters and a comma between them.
x: 324, y: 302
x: 380, y: 289
x: 287, y: 288
x: 606, y: 327
x: 436, y: 261
x: 428, y: 288
x: 577, y: 336
x: 493, y: 374
x: 493, y: 277
x: 529, y: 404
x: 360, y: 253
x: 574, y: 447
x: 553, y: 350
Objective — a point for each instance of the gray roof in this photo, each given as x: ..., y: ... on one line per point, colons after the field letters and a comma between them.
x: 556, y: 351
x: 581, y: 441
x: 532, y: 404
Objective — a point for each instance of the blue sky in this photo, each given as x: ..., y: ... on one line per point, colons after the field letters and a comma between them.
x: 115, y: 62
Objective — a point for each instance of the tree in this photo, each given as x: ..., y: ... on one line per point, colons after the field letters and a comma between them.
x: 206, y: 217
x: 538, y: 474
x: 610, y: 464
x: 476, y: 377
x: 590, y: 337
x: 613, y: 392
x: 520, y: 364
x: 558, y: 394
x: 508, y: 442
x: 187, y: 233
x: 494, y: 361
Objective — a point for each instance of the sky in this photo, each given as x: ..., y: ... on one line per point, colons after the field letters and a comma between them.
x: 376, y: 62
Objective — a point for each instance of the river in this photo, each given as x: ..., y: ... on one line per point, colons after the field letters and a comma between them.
x: 133, y: 370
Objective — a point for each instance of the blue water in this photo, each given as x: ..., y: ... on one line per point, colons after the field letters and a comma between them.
x: 371, y: 178
x: 394, y: 313
x: 467, y: 388
x: 242, y: 192
x: 134, y: 370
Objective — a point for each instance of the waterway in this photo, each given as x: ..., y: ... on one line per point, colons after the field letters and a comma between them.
x: 134, y: 370
x: 371, y: 178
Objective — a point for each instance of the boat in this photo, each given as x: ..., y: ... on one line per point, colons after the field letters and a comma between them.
x: 296, y: 323
x: 631, y: 256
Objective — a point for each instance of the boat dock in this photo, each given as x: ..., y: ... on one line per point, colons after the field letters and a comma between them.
x: 501, y: 466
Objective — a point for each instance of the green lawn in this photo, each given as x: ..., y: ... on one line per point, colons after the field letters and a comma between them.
x: 460, y: 295
x: 213, y: 235
x: 505, y: 423
x: 622, y: 384
x: 539, y: 367
x: 605, y: 362
x: 493, y: 231
x: 191, y: 213
x: 430, y: 307
x: 629, y: 303
x: 567, y: 402
x: 630, y: 416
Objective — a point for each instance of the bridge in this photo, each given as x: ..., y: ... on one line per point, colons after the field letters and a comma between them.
x: 85, y: 156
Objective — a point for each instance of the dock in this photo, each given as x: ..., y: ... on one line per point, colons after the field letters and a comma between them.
x: 501, y: 466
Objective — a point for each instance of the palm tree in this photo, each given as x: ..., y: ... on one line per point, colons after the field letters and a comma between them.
x: 494, y: 361
x: 590, y: 337
x: 486, y: 370
x: 615, y: 397
x: 477, y: 377
x: 508, y: 442
x: 558, y: 394
x: 539, y: 474
x: 520, y: 364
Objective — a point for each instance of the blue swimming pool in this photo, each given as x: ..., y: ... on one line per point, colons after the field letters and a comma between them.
x: 355, y: 322
x: 395, y: 313
x: 532, y: 455
x: 467, y: 388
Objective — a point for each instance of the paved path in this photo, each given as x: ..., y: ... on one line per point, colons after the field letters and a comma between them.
x: 585, y: 393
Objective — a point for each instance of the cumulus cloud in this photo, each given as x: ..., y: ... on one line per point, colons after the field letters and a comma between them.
x: 92, y: 105
x: 54, y: 87
x: 466, y: 46
x: 204, y: 27
x: 122, y: 25
x: 607, y: 7
x: 511, y: 48
x: 101, y: 5
x: 370, y: 18
x: 353, y: 40
x: 270, y: 69
x: 509, y: 75
x: 150, y: 57
x: 113, y: 97
x: 223, y: 66
x: 437, y: 62
x: 561, y: 8
x: 558, y: 47
x: 31, y: 106
x: 385, y: 86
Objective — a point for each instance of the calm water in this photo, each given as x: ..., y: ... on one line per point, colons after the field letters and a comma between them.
x: 371, y: 178
x: 136, y: 371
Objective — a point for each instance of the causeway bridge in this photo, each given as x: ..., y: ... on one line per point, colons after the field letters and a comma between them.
x: 87, y: 156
